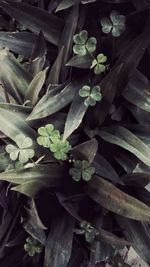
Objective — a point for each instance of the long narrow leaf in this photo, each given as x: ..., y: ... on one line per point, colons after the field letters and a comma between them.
x: 52, y: 102
x: 115, y: 200
x: 122, y: 137
x: 35, y: 19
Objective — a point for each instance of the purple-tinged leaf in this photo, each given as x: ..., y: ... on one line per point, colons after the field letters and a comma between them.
x: 59, y: 242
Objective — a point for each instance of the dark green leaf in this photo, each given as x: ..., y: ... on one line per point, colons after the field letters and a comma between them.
x: 54, y: 74
x: 109, y: 86
x: 126, y: 160
x: 75, y: 116
x: 137, y: 91
x: 122, y: 137
x: 115, y: 200
x: 52, y: 102
x: 141, y: 115
x: 12, y: 125
x: 35, y: 87
x: 13, y: 75
x: 82, y: 62
x: 64, y: 4
x: 35, y: 19
x: 33, y: 224
x: 31, y: 180
x: 104, y: 169
x: 18, y: 42
x: 86, y: 150
x: 66, y: 39
x: 59, y: 242
x: 38, y: 55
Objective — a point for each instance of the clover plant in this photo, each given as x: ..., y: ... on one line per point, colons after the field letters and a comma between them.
x: 52, y: 139
x: 115, y: 25
x: 83, y: 44
x: 32, y: 246
x: 22, y: 150
x: 82, y: 169
x: 87, y: 230
x: 99, y: 64
x: 91, y: 95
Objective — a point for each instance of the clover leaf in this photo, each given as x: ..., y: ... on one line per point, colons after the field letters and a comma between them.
x: 60, y: 149
x: 51, y: 138
x: 92, y: 95
x: 115, y: 25
x: 32, y: 246
x: 23, y: 151
x: 98, y: 64
x: 47, y: 135
x: 83, y: 44
x: 82, y: 169
x: 88, y: 230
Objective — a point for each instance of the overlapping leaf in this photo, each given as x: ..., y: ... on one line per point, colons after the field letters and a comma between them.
x: 35, y: 19
x: 122, y: 137
x: 115, y: 200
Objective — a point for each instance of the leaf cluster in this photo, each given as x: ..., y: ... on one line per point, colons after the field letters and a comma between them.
x: 74, y: 106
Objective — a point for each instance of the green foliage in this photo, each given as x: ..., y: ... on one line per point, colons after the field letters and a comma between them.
x: 115, y: 25
x: 83, y: 44
x: 82, y: 170
x: 92, y: 95
x: 60, y: 149
x: 51, y: 138
x: 99, y: 64
x: 32, y: 246
x: 47, y: 135
x: 22, y: 151
x: 44, y: 103
x: 87, y: 230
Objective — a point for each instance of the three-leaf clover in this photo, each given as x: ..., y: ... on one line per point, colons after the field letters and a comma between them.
x: 23, y: 151
x: 52, y: 139
x: 60, y: 149
x: 98, y: 64
x: 32, y: 246
x: 92, y: 95
x: 115, y: 25
x: 82, y: 169
x: 83, y: 44
x: 88, y: 230
x: 47, y: 135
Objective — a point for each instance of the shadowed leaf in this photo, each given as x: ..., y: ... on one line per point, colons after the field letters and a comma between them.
x: 122, y: 137
x: 117, y: 201
x: 75, y: 116
x: 86, y: 150
x: 35, y: 19
x: 59, y: 242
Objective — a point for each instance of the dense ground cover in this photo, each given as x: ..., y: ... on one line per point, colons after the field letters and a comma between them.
x: 74, y: 132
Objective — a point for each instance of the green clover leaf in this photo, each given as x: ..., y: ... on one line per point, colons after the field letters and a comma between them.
x: 82, y: 169
x: 83, y: 44
x: 47, y: 135
x: 88, y: 230
x: 32, y: 246
x: 115, y: 25
x: 51, y: 138
x: 60, y: 149
x: 92, y: 95
x: 98, y: 64
x: 22, y: 151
